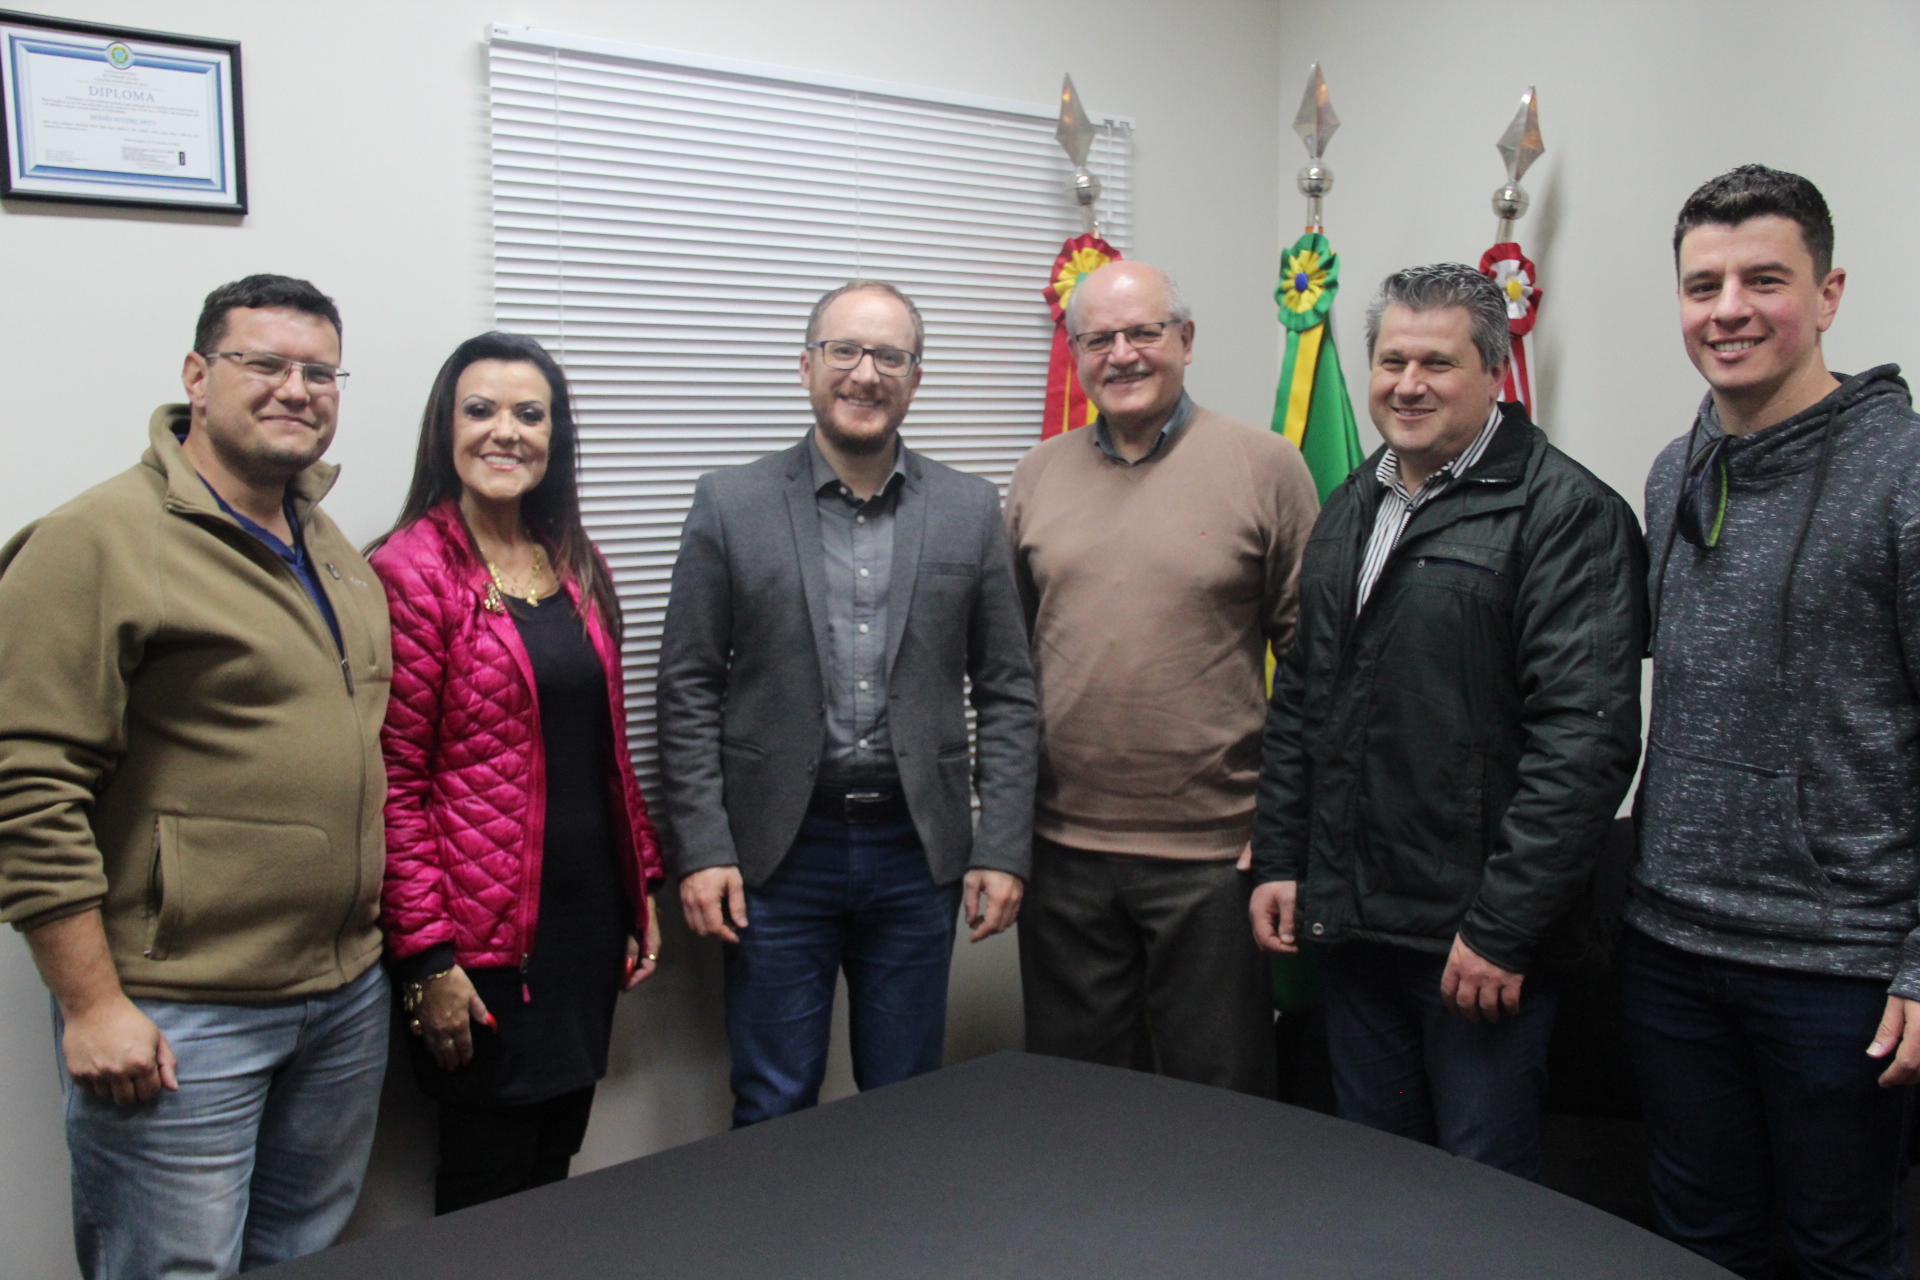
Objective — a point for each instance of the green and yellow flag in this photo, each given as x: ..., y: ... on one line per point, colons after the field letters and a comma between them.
x: 1311, y: 407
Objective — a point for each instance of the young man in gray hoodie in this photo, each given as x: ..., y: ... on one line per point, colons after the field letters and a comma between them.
x: 1771, y: 968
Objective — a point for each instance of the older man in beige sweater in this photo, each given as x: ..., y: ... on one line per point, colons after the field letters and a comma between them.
x: 1157, y: 553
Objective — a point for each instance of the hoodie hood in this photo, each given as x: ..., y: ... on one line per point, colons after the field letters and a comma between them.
x: 1793, y: 444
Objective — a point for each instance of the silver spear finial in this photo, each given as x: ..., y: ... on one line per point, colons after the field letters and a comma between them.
x: 1315, y: 125
x: 1076, y: 133
x: 1519, y: 146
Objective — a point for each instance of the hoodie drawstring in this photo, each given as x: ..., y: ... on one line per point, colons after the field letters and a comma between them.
x: 1673, y: 528
x: 1800, y: 541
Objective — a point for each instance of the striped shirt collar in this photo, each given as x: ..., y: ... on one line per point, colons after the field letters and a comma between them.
x: 1397, y: 505
x: 1388, y: 472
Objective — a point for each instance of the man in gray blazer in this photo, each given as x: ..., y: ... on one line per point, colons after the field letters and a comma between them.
x: 830, y: 604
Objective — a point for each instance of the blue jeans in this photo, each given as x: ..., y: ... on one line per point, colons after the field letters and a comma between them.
x: 856, y: 896
x: 1403, y: 1063
x: 256, y: 1159
x: 1758, y: 1091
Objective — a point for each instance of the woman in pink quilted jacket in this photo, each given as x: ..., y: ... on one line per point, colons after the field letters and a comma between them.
x: 520, y: 860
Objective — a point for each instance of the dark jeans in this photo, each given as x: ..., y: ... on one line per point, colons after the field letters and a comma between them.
x: 1127, y: 959
x: 1403, y: 1063
x: 853, y: 896
x: 1758, y: 1091
x: 490, y: 1150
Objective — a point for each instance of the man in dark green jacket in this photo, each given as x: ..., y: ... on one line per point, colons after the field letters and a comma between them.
x: 1451, y: 732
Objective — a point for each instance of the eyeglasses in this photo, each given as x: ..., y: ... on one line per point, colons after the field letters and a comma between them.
x: 274, y: 369
x: 1141, y: 336
x: 1703, y: 497
x: 891, y: 361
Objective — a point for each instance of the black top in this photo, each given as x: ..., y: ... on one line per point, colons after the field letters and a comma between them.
x: 556, y: 1017
x: 1019, y: 1165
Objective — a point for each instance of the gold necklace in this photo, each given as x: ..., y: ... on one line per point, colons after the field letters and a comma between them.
x: 532, y: 592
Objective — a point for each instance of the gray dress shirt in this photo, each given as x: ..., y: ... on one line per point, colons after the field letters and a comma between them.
x: 858, y: 540
x: 1103, y: 434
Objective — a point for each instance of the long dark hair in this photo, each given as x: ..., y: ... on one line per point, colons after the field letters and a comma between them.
x: 552, y: 507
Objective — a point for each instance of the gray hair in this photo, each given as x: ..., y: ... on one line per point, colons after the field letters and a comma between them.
x: 1448, y: 284
x: 828, y: 298
x: 1177, y: 309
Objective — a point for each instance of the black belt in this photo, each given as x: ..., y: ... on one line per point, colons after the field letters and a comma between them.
x: 870, y: 804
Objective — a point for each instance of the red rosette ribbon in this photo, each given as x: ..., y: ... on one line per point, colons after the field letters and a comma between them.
x: 1067, y: 405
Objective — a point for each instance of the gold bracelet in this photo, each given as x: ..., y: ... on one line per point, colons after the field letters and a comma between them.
x: 413, y: 993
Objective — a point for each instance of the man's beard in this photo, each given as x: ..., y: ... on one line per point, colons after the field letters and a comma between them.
x: 265, y: 465
x: 860, y: 446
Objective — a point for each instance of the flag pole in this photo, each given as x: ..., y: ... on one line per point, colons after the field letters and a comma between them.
x: 1519, y: 146
x: 1076, y: 133
x: 1315, y: 124
x: 1509, y: 268
x: 1067, y: 405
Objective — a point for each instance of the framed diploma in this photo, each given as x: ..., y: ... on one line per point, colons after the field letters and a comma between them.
x: 113, y: 115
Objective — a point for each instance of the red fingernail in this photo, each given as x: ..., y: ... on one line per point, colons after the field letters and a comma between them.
x: 492, y: 1023
x: 630, y: 963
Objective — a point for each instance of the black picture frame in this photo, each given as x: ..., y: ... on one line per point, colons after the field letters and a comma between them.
x: 233, y: 137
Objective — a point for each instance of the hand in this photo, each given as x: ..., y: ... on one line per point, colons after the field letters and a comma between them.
x: 640, y: 966
x: 1245, y: 861
x: 446, y: 1016
x: 1272, y: 912
x: 709, y: 898
x: 1899, y: 1026
x: 992, y: 901
x: 116, y: 1051
x: 1478, y: 989
x: 109, y: 1046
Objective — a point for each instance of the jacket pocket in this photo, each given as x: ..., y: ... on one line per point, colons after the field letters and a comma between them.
x: 162, y: 924
x: 246, y: 905
x: 952, y: 819
x: 746, y: 774
x: 1474, y: 842
x: 1726, y: 841
x: 1451, y: 562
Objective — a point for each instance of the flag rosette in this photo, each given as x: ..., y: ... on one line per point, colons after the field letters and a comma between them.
x: 1516, y: 275
x: 1067, y: 406
x: 1309, y: 279
x: 1079, y: 258
x: 1311, y: 407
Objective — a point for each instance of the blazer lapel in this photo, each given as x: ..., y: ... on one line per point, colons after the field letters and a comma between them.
x: 805, y: 516
x: 909, y: 526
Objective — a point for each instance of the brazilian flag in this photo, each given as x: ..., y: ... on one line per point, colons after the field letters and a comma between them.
x: 1311, y: 409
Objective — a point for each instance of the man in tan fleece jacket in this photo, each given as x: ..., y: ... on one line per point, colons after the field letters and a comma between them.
x: 1157, y: 553
x: 193, y: 671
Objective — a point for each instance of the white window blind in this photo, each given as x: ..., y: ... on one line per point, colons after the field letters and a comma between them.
x: 664, y: 222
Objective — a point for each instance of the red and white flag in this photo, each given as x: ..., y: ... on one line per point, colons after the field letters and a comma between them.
x: 1519, y: 279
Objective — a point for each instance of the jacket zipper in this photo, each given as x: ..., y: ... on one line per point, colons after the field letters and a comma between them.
x: 530, y: 866
x: 280, y: 567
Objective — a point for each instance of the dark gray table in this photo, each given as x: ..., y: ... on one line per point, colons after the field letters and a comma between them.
x: 1029, y: 1167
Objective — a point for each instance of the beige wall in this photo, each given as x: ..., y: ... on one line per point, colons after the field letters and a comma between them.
x: 366, y: 128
